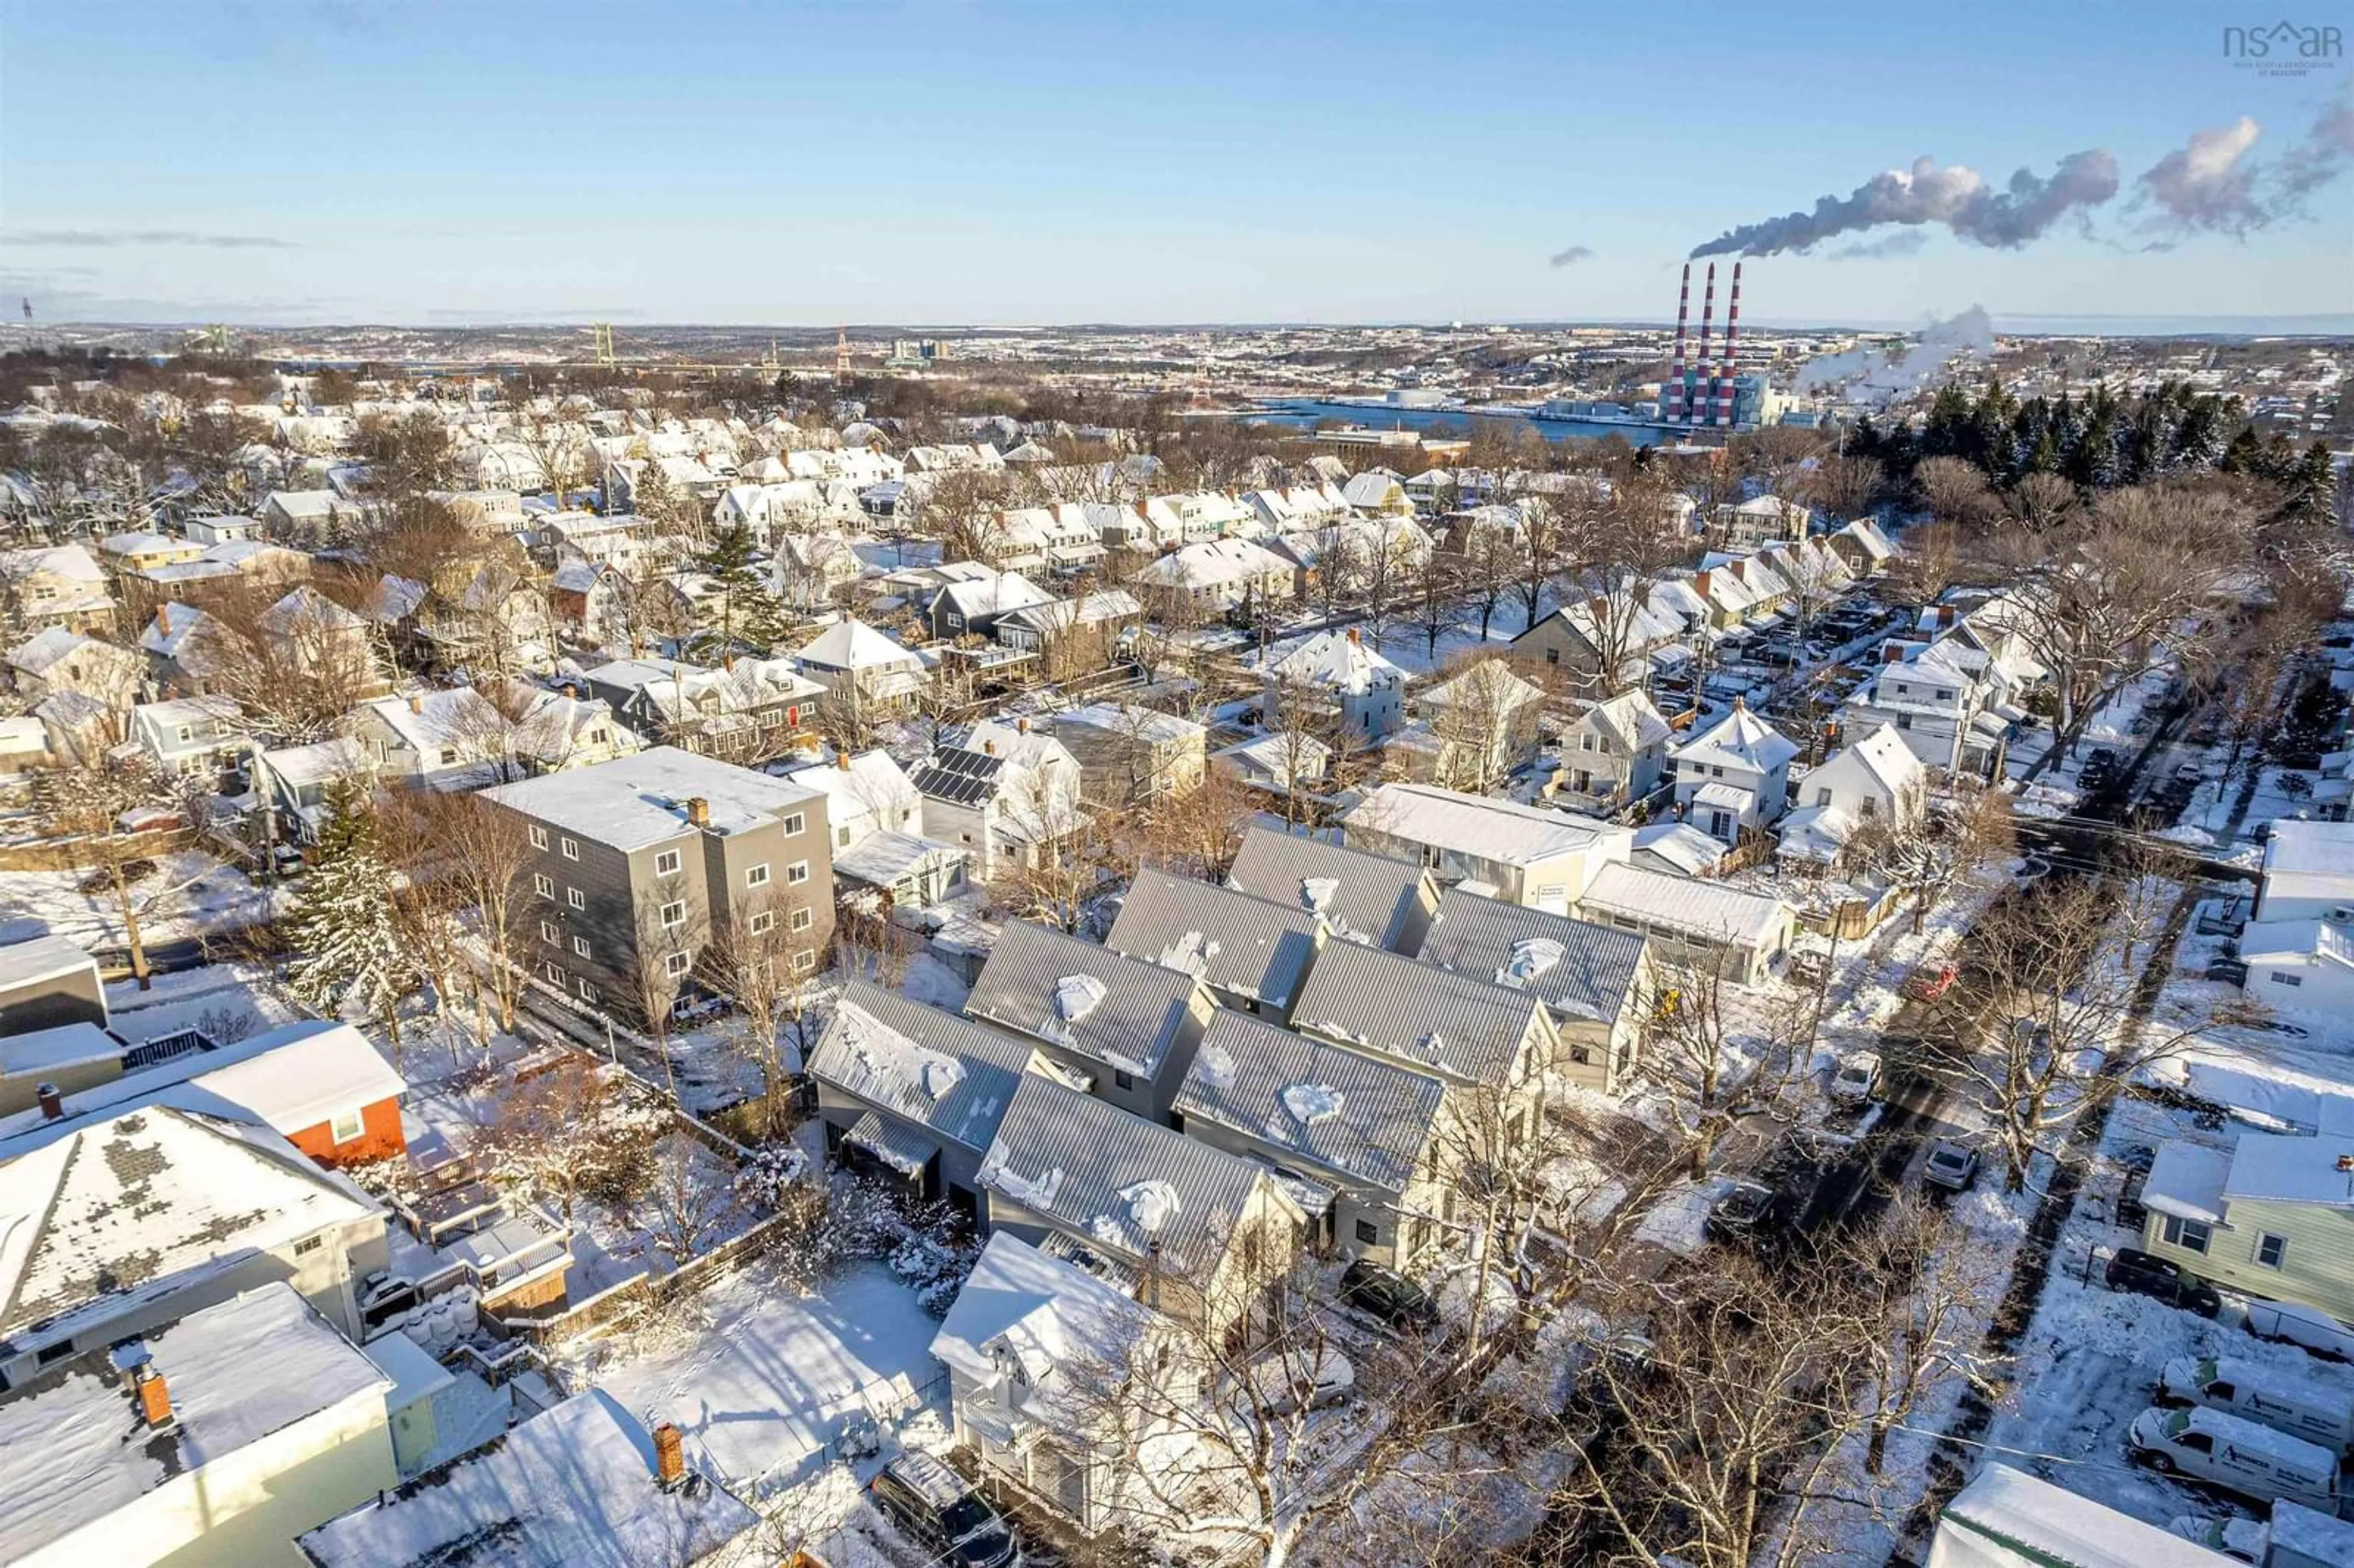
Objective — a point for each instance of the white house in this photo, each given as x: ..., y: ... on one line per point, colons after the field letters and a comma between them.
x: 1365, y: 689
x: 865, y: 794
x: 2308, y: 874
x: 1875, y: 778
x: 1614, y: 753
x: 1522, y: 854
x: 1733, y: 775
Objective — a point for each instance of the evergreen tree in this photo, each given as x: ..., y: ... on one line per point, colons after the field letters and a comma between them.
x: 348, y: 946
x: 2313, y: 486
x: 2245, y: 454
x: 747, y: 605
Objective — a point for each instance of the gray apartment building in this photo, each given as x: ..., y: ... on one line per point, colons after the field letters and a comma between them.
x: 645, y: 859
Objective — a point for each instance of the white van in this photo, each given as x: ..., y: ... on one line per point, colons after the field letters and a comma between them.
x: 2317, y: 1404
x: 2237, y: 1455
x: 2291, y: 1323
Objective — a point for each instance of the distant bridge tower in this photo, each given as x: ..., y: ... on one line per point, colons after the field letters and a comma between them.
x: 604, y: 332
x: 842, y: 356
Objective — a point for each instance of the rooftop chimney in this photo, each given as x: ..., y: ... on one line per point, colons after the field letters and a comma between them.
x: 842, y: 760
x: 2346, y: 1163
x: 154, y: 1399
x: 670, y: 1456
x: 988, y: 748
x: 571, y: 691
x: 728, y: 660
x: 53, y: 1105
x: 1355, y: 636
x: 698, y: 810
x: 415, y: 701
x: 164, y: 617
x: 1022, y: 725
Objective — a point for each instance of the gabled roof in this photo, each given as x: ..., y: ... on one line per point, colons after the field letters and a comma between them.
x: 1357, y: 1116
x: 1362, y: 897
x: 851, y: 644
x: 1576, y: 968
x: 960, y: 777
x: 1119, y: 1181
x: 1739, y: 740
x: 1047, y: 1317
x: 1504, y: 832
x: 870, y: 784
x: 306, y: 607
x: 1709, y: 911
x: 1235, y: 942
x: 1337, y: 660
x: 1631, y: 720
x: 1433, y: 1019
x: 295, y: 1076
x: 1123, y: 1012
x: 950, y: 1074
x: 575, y: 1486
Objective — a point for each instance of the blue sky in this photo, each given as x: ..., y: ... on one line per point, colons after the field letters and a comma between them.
x: 1014, y: 162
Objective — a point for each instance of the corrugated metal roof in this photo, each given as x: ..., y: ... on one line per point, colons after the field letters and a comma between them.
x: 1117, y: 1181
x: 1254, y: 947
x: 1343, y: 1111
x: 1576, y: 968
x: 918, y: 1062
x: 1126, y: 1019
x: 1709, y: 911
x: 1364, y: 897
x: 1432, y: 1019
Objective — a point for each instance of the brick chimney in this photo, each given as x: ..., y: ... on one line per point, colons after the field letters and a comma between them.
x: 164, y: 617
x: 670, y: 1456
x: 415, y: 703
x: 988, y: 748
x: 698, y: 810
x: 1022, y: 725
x: 571, y: 691
x: 1355, y: 637
x: 727, y: 662
x: 53, y: 1105
x: 842, y: 760
x: 1700, y: 584
x: 154, y: 1399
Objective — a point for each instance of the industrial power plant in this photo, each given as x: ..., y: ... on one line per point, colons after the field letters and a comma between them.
x: 1697, y: 393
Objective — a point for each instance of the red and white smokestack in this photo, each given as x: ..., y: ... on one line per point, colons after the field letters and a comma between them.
x: 1707, y: 313
x: 1732, y: 350
x: 1674, y: 400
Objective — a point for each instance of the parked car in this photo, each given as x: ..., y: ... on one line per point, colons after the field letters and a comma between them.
x: 1950, y: 1165
x: 2146, y: 1275
x: 2238, y: 1455
x: 1857, y: 1081
x: 2240, y: 1540
x: 1928, y: 985
x: 1388, y: 1295
x: 1744, y: 1210
x: 922, y: 1496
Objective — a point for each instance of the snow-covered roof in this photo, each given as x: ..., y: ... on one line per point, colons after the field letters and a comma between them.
x: 1459, y: 1026
x: 1740, y: 739
x: 2287, y: 1167
x: 1576, y: 968
x: 1362, y: 897
x: 1709, y: 911
x: 633, y: 801
x: 576, y: 1486
x: 1503, y: 831
x: 47, y: 1050
x: 1021, y: 1309
x: 1136, y: 1016
x: 948, y: 1074
x: 39, y: 653
x: 2310, y: 849
x: 71, y: 562
x: 851, y: 644
x: 453, y: 715
x: 79, y: 1451
x: 1352, y: 1114
x: 1253, y: 946
x: 306, y: 607
x: 870, y: 784
x: 1337, y: 660
x: 1629, y: 719
x: 1883, y: 755
x: 1117, y: 1181
x: 2005, y: 1518
x: 2187, y: 1181
x: 1810, y: 833
x: 38, y: 959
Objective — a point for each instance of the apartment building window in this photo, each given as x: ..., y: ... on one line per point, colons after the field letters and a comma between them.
x: 2272, y: 1251
x: 571, y: 848
x: 555, y: 972
x: 757, y: 875
x: 763, y: 922
x: 797, y: 874
x: 2279, y: 978
x: 548, y: 933
x: 347, y: 1127
x: 1369, y: 1233
x: 538, y: 837
x: 801, y: 919
x: 676, y: 965
x: 673, y: 915
x: 842, y: 837
x: 575, y: 898
x: 666, y: 864
x: 449, y: 756
x: 580, y: 947
x: 542, y: 884
x: 804, y: 962
x: 587, y: 991
x: 307, y: 1244
x: 795, y: 822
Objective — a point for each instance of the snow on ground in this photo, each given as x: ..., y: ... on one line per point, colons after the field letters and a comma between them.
x: 187, y: 894
x: 228, y: 1001
x: 768, y: 1380
x: 1676, y: 1222
x: 930, y: 981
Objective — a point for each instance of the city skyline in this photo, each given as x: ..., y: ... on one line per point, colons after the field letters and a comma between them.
x: 1054, y: 165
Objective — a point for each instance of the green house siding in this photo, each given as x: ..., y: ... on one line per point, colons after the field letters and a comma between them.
x: 2317, y: 1269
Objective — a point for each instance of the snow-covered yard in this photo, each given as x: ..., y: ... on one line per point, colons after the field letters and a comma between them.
x: 187, y: 893
x: 763, y: 1376
x: 228, y: 1001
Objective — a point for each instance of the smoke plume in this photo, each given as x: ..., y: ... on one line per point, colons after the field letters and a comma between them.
x: 1903, y: 242
x: 2212, y: 186
x: 110, y: 238
x: 1873, y: 377
x: 1575, y: 253
x: 1952, y: 197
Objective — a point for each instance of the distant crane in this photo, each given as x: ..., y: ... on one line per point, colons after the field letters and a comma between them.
x: 604, y: 331
x: 28, y: 312
x: 842, y: 356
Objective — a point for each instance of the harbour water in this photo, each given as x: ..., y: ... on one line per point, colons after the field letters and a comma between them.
x: 1304, y: 412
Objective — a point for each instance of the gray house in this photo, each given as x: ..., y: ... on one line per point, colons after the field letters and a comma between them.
x: 1253, y: 953
x: 1591, y: 979
x: 1362, y: 896
x: 1116, y: 1027
x: 914, y: 1091
x: 47, y: 982
x: 1350, y: 1135
x: 639, y: 863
